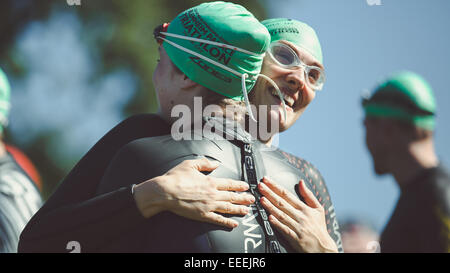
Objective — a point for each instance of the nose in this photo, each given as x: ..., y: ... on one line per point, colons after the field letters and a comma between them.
x: 296, y: 79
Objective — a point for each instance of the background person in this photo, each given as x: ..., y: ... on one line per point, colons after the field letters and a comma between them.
x: 19, y: 196
x: 359, y: 236
x: 400, y: 125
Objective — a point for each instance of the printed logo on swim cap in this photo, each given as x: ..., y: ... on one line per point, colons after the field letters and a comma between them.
x: 296, y: 32
x: 224, y: 23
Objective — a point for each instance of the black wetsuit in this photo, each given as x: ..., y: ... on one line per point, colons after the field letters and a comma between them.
x: 101, y: 221
x: 167, y: 232
x: 74, y: 212
x: 421, y: 220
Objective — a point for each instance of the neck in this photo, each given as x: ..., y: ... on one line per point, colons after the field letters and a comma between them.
x: 419, y: 156
x: 253, y: 129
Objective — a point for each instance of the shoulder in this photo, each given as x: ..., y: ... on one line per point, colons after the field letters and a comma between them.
x: 16, y: 187
x: 303, y: 165
x: 147, y: 147
x: 312, y: 177
x: 165, y: 148
x: 441, y: 189
x: 12, y: 174
x: 143, y: 124
x: 432, y: 188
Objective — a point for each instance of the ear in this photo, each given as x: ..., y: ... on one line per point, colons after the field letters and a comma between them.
x: 186, y: 83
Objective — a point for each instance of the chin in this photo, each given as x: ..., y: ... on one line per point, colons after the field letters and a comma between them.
x: 291, y: 120
x: 283, y: 126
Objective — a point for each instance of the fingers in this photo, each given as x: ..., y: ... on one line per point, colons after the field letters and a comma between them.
x: 223, y: 184
x: 203, y: 164
x: 276, y: 204
x: 309, y: 197
x: 284, y: 229
x: 226, y: 207
x: 236, y: 198
x: 220, y: 220
x: 293, y: 200
x: 283, y: 216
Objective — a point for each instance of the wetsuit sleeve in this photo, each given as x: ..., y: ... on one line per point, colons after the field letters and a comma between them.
x: 75, y: 211
x: 320, y: 189
x: 316, y: 183
x: 97, y: 221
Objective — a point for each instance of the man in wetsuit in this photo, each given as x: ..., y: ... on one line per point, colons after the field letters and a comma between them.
x: 178, y: 175
x: 400, y: 123
x: 19, y: 196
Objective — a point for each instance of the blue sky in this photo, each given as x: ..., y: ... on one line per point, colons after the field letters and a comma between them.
x: 362, y: 44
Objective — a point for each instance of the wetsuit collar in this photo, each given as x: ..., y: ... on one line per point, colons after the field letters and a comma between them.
x: 230, y: 129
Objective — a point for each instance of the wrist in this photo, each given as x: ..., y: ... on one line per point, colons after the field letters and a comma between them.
x: 148, y: 197
x: 329, y: 247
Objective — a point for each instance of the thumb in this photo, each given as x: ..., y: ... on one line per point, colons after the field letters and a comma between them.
x: 204, y: 165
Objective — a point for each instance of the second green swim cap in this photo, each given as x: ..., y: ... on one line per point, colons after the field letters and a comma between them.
x: 404, y: 96
x: 295, y: 32
x: 225, y: 23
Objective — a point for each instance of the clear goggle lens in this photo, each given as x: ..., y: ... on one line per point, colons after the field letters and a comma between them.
x: 286, y: 57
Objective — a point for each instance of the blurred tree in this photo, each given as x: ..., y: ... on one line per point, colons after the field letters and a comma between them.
x: 119, y: 33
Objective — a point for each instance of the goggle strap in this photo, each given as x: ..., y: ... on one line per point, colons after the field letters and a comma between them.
x: 247, y: 101
x: 242, y: 76
x: 211, y: 43
x: 279, y: 94
x: 202, y: 57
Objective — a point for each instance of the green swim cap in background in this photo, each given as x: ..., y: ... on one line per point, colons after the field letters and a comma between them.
x: 404, y: 96
x: 225, y: 23
x: 295, y: 32
x: 5, y: 91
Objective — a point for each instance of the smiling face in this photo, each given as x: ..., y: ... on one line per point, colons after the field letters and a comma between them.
x: 292, y: 83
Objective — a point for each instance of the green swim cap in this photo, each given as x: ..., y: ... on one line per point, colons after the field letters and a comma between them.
x: 5, y: 91
x: 295, y: 32
x: 404, y: 96
x: 225, y: 23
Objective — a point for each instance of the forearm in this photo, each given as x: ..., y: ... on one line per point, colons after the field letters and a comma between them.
x: 92, y: 223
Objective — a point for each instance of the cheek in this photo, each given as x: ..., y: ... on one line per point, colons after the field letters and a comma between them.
x: 308, y: 97
x: 256, y: 94
x: 156, y: 77
x: 375, y: 143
